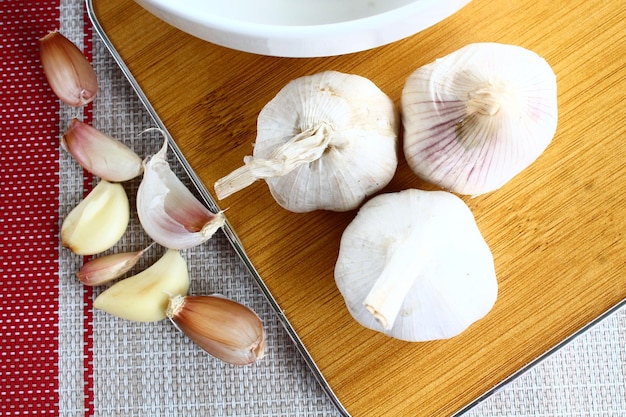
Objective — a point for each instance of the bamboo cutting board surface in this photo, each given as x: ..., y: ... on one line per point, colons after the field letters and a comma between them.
x: 556, y: 230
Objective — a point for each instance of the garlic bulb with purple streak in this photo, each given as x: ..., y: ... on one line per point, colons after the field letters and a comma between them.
x: 477, y: 117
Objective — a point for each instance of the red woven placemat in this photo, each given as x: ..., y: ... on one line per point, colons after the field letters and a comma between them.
x: 28, y: 214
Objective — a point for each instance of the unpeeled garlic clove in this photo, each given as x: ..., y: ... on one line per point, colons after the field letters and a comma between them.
x: 101, y: 154
x: 98, y: 221
x: 107, y: 268
x: 169, y: 213
x: 224, y: 328
x: 477, y: 117
x: 69, y: 73
x: 145, y: 297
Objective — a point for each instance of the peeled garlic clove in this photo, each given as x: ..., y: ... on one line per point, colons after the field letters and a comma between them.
x: 101, y: 154
x: 145, y: 297
x: 98, y: 221
x: 414, y: 266
x: 169, y: 213
x: 107, y: 268
x: 477, y: 117
x: 67, y: 70
x: 224, y: 328
x: 326, y: 141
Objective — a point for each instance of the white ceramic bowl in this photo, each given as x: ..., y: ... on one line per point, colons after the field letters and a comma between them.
x: 302, y: 28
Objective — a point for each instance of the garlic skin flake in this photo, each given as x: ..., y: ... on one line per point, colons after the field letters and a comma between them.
x: 69, y: 73
x: 98, y: 221
x: 324, y: 142
x: 104, y: 269
x: 222, y: 327
x: 145, y: 297
x: 169, y: 213
x: 101, y: 154
x: 414, y: 266
x: 477, y: 117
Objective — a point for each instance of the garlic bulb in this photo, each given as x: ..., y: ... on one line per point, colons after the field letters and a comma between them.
x: 101, y: 154
x: 477, y: 117
x: 98, y: 271
x: 169, y: 213
x: 98, y: 221
x: 69, y: 73
x: 145, y: 297
x: 224, y: 328
x: 326, y: 141
x: 414, y: 266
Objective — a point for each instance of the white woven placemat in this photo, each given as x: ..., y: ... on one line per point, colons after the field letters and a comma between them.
x: 584, y: 378
x: 152, y: 370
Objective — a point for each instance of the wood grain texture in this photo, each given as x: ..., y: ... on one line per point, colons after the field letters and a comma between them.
x: 556, y: 230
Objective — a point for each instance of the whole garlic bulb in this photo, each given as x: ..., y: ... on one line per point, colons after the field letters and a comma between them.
x: 414, y: 266
x: 326, y: 141
x: 477, y: 117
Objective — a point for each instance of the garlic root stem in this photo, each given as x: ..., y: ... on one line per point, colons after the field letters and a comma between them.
x: 303, y: 148
x: 386, y: 297
x: 235, y: 181
x: 484, y: 101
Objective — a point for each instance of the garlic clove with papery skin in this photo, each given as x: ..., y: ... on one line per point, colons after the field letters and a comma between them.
x: 98, y: 222
x: 69, y: 73
x: 169, y: 213
x: 414, y: 266
x: 477, y: 117
x: 101, y: 154
x: 104, y: 269
x: 145, y: 297
x: 324, y: 142
x: 222, y: 327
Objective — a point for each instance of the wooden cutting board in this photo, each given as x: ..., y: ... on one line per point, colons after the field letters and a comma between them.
x: 556, y: 230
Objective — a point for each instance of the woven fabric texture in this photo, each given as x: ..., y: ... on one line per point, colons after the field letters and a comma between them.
x: 151, y: 369
x: 28, y: 201
x: 584, y: 378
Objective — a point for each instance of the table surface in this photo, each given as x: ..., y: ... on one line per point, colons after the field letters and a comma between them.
x: 104, y: 366
x: 554, y: 274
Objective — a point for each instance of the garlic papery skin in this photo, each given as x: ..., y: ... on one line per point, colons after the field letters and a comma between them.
x: 69, y: 73
x: 476, y: 118
x: 98, y: 221
x: 101, y: 154
x: 228, y: 330
x: 145, y: 297
x: 324, y: 142
x: 414, y: 266
x: 169, y: 213
x: 104, y: 269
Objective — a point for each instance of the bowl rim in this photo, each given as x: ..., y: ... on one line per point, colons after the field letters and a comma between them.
x: 380, y: 28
